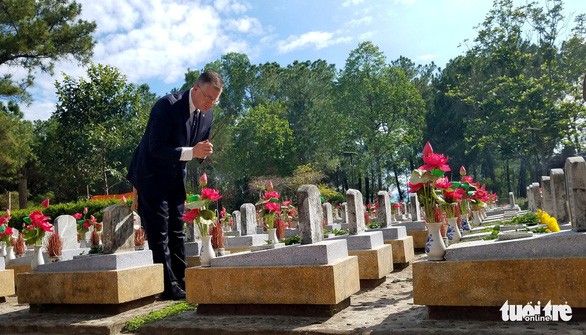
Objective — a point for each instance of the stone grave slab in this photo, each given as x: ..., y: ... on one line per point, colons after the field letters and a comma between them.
x: 90, y: 287
x: 549, y: 245
x: 7, y: 285
x: 489, y: 283
x: 251, y: 290
x: 245, y: 242
x: 402, y: 244
x: 417, y: 230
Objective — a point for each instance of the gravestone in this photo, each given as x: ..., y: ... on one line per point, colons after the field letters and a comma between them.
x: 117, y: 229
x: 535, y: 190
x: 415, y: 208
x: 530, y: 199
x: 344, y: 212
x: 189, y: 232
x: 511, y: 200
x: 66, y: 227
x: 248, y: 217
x: 559, y: 194
x: 236, y: 220
x: 328, y: 215
x: 310, y: 214
x: 546, y: 195
x: 384, y: 209
x: 576, y: 189
x: 355, y: 217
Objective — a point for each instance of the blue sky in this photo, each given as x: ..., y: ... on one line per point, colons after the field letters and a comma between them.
x: 156, y: 41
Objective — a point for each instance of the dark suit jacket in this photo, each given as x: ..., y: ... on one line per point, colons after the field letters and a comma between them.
x: 156, y: 159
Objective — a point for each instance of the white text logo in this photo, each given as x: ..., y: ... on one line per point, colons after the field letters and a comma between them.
x: 532, y: 312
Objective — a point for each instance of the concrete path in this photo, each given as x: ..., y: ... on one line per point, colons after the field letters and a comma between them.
x: 387, y: 309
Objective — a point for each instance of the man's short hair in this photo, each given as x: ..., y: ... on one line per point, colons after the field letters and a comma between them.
x: 210, y: 77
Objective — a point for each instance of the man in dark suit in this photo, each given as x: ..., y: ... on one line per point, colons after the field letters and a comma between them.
x: 177, y: 131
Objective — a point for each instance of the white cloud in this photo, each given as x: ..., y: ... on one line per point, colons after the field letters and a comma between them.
x: 349, y: 3
x: 153, y: 40
x: 405, y: 2
x: 364, y: 21
x: 317, y: 39
x: 245, y: 25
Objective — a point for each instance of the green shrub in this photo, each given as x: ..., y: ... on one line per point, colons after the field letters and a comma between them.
x: 95, y: 208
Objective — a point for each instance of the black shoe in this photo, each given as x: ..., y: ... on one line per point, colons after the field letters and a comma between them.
x: 175, y: 293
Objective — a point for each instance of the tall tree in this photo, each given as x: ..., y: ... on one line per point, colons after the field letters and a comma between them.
x: 98, y: 122
x: 34, y: 34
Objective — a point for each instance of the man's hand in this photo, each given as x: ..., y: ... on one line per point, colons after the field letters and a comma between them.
x: 203, y: 149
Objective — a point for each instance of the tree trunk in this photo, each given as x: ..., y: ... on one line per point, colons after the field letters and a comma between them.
x: 397, y: 181
x: 367, y: 188
x: 522, y: 190
x: 23, y: 188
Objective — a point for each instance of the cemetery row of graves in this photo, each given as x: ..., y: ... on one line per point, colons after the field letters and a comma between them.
x: 334, y: 251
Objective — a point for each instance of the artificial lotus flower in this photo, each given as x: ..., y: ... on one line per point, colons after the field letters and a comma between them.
x: 462, y: 171
x: 443, y: 183
x: 427, y: 149
x: 435, y: 162
x: 268, y: 195
x: 269, y: 185
x: 203, y: 180
x: 45, y: 203
x: 37, y: 224
x: 210, y: 194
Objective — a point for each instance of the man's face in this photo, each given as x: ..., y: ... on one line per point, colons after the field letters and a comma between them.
x: 206, y: 96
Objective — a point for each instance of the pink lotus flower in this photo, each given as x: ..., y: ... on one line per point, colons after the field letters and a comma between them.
x: 45, y: 203
x: 210, y: 194
x: 413, y: 188
x: 443, y: 183
x: 286, y: 203
x: 462, y: 171
x: 427, y: 149
x: 467, y: 179
x: 270, y: 195
x: 203, y: 180
x: 273, y: 207
x: 191, y: 215
x: 269, y: 185
x: 78, y: 216
x: 397, y: 205
x: 435, y: 161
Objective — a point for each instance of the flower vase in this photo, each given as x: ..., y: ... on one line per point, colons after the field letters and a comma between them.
x: 273, y: 235
x: 453, y: 232
x: 10, y: 253
x: 476, y: 219
x: 435, y: 247
x: 3, y: 249
x: 85, y: 243
x: 37, y: 257
x: 465, y: 223
x: 207, y: 251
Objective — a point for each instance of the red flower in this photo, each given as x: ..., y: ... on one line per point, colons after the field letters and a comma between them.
x: 452, y: 196
x: 45, y: 203
x: 271, y: 194
x: 273, y: 207
x: 435, y: 161
x: 396, y: 205
x: 413, y: 188
x: 443, y: 183
x: 203, y: 180
x: 4, y: 220
x: 467, y: 179
x: 78, y: 216
x: 210, y: 194
x: 427, y: 149
x: 191, y: 215
x: 462, y: 171
x: 286, y: 203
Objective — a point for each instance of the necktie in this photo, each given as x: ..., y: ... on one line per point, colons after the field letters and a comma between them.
x: 193, y: 127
